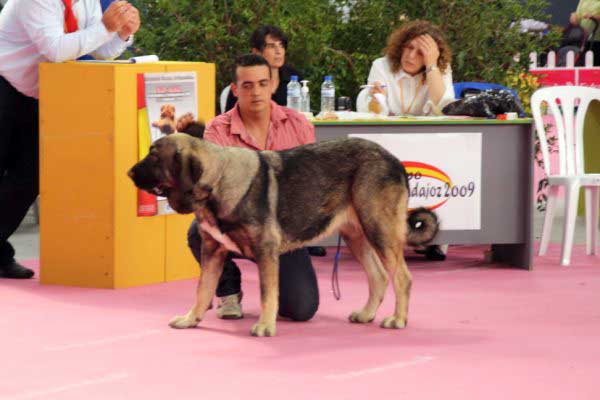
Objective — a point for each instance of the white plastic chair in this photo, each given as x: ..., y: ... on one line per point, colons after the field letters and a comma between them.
x: 361, y: 101
x: 223, y: 98
x: 571, y: 171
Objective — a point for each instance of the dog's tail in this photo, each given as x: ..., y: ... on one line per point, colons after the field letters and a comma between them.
x: 423, y: 225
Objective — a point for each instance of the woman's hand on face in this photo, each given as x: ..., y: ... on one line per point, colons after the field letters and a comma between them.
x: 429, y: 48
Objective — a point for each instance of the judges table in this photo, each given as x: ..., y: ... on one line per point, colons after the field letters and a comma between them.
x: 494, y: 157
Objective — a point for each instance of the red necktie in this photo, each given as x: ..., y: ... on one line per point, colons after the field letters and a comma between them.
x: 70, y: 19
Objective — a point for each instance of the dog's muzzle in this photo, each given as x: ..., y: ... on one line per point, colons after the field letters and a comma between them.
x: 147, y: 182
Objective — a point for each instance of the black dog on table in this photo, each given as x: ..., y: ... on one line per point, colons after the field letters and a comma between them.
x: 486, y: 104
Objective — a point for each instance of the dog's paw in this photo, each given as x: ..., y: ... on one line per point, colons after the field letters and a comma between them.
x: 260, y: 330
x: 361, y: 317
x: 393, y: 323
x: 184, y: 321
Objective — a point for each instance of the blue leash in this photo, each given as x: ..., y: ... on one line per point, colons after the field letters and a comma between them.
x: 335, y: 283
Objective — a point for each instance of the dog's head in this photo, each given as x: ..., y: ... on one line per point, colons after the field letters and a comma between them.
x: 173, y: 169
x: 167, y: 111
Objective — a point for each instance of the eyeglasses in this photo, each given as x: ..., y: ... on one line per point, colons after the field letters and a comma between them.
x: 275, y: 45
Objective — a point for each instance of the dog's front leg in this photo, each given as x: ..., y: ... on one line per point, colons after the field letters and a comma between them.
x: 213, y: 257
x: 268, y: 269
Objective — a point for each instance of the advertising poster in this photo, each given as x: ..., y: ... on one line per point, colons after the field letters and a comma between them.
x: 163, y: 98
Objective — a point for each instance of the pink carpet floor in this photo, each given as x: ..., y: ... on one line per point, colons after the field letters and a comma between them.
x: 476, y: 331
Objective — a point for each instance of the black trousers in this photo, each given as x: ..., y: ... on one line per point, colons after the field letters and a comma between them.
x: 298, y: 290
x: 19, y: 175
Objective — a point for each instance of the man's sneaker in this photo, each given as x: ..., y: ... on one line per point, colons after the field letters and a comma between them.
x: 14, y: 270
x: 230, y: 307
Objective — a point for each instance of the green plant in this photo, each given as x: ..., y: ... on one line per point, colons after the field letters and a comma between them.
x: 342, y: 37
x: 525, y: 84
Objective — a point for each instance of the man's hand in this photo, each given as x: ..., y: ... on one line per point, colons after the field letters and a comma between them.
x: 116, y: 16
x: 429, y: 48
x: 132, y: 25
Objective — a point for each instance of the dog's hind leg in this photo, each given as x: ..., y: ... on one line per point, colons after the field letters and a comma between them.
x: 268, y: 269
x: 393, y: 229
x: 393, y: 260
x: 384, y: 222
x: 213, y: 257
x: 376, y: 274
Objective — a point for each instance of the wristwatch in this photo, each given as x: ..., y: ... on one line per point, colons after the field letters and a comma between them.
x: 431, y: 68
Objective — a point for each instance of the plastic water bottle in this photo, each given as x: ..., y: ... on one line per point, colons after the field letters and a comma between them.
x: 305, y: 97
x: 293, y: 93
x: 328, y: 95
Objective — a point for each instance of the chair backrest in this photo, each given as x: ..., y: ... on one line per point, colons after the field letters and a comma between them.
x: 460, y: 87
x: 223, y: 98
x: 361, y: 101
x: 568, y: 105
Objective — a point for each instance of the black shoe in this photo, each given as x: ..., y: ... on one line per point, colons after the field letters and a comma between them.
x: 14, y: 270
x: 317, y: 251
x: 434, y: 253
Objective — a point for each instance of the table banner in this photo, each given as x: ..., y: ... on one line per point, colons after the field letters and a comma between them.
x: 444, y: 173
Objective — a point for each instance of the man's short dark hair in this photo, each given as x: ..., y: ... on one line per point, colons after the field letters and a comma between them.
x: 249, y: 60
x: 257, y: 40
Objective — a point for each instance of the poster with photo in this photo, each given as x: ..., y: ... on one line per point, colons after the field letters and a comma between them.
x: 163, y: 100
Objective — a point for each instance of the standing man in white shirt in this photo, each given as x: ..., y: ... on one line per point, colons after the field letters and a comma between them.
x: 31, y: 32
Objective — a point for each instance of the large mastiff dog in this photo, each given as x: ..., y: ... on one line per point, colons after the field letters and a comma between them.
x: 267, y: 203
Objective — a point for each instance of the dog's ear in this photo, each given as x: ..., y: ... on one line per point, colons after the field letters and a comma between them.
x: 186, y: 168
x: 194, y: 168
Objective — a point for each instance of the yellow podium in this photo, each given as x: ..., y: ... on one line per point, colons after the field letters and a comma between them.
x: 90, y: 234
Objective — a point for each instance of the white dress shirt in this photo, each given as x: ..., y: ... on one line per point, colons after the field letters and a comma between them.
x: 33, y: 31
x: 406, y: 94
